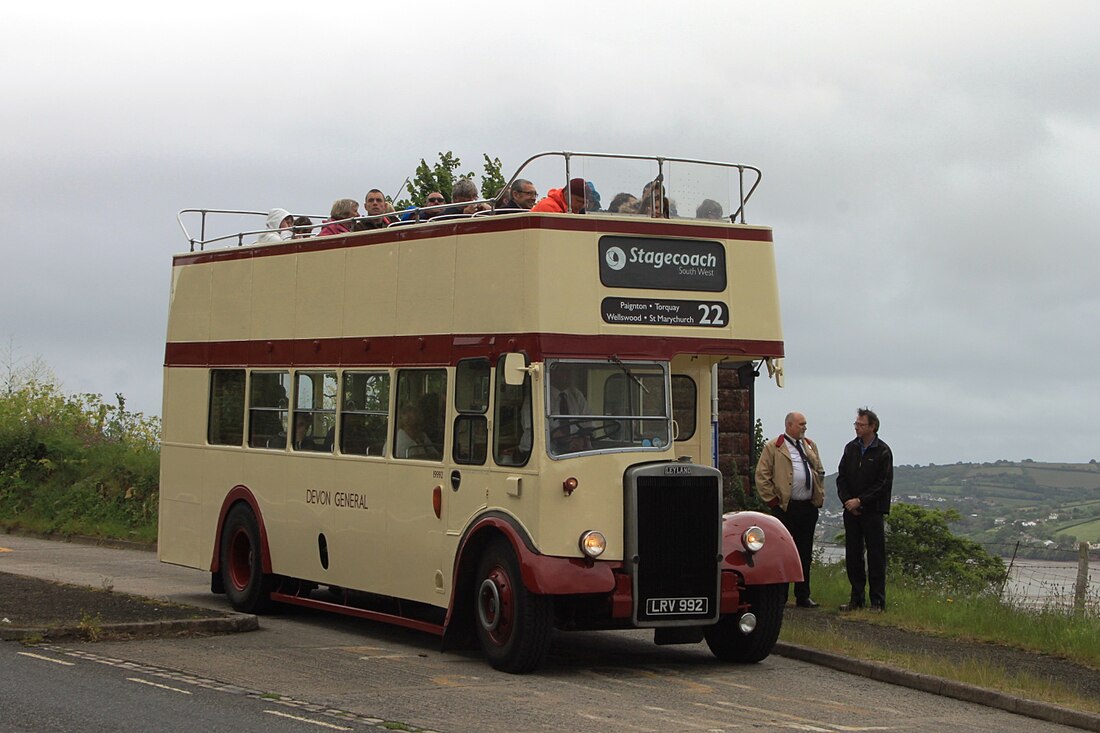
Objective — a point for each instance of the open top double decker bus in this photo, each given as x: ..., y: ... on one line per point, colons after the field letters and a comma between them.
x: 482, y: 427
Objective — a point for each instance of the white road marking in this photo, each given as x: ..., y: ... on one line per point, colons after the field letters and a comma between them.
x: 306, y: 720
x: 48, y: 659
x: 156, y: 684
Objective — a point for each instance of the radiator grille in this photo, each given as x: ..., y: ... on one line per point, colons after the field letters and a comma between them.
x: 677, y: 544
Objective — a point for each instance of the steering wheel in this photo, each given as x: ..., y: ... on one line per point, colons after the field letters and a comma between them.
x: 601, y: 430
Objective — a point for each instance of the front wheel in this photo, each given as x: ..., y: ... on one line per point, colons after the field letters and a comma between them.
x: 729, y: 644
x: 513, y: 624
x: 246, y: 585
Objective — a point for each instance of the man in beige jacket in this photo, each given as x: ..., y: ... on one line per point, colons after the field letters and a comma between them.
x: 791, y: 480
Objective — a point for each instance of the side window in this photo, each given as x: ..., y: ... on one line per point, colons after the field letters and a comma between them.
x: 314, y: 411
x: 420, y: 414
x: 225, y: 422
x: 683, y: 405
x: 511, y: 421
x: 471, y: 429
x: 364, y: 413
x: 267, y: 409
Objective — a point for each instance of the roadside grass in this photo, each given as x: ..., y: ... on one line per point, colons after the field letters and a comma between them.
x: 978, y: 618
x: 77, y: 465
x: 971, y: 671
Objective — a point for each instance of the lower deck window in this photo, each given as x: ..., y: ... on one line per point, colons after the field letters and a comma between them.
x: 268, y: 403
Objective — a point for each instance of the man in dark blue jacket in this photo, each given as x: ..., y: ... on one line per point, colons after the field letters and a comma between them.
x: 864, y: 482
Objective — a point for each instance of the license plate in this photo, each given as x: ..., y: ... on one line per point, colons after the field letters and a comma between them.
x: 675, y: 606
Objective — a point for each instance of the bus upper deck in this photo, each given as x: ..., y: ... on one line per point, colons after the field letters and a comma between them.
x: 631, y: 285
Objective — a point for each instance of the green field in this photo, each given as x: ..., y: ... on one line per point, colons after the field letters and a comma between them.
x: 1085, y: 532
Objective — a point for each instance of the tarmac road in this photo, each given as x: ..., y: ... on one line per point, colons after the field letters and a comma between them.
x: 355, y: 674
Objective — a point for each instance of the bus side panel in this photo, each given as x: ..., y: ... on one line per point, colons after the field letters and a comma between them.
x: 414, y: 537
x: 357, y: 543
x: 180, y: 533
x: 752, y: 291
x: 272, y: 315
x: 498, y: 264
x: 276, y: 480
x: 182, y: 539
x: 189, y: 305
x: 370, y: 290
x: 425, y: 284
x: 230, y: 300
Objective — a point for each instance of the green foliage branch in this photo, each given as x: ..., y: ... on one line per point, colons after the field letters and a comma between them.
x: 76, y: 464
x: 442, y: 175
x: 922, y: 549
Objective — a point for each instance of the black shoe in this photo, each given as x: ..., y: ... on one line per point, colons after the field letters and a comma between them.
x: 878, y: 609
x: 806, y: 603
x: 845, y: 608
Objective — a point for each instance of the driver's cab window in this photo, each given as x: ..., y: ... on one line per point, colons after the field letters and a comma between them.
x: 606, y: 406
x: 421, y: 409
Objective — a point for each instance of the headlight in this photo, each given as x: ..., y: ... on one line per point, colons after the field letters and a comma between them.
x: 753, y: 539
x: 593, y: 543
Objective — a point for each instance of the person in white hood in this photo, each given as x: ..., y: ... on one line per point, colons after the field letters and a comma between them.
x: 279, y: 222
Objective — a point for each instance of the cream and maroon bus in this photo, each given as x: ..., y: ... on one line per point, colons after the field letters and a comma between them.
x: 485, y: 426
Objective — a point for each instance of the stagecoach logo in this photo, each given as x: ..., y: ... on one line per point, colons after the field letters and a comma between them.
x: 662, y: 264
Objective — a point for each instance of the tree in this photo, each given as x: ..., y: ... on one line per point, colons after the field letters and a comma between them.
x: 492, y: 183
x: 923, y: 548
x: 738, y: 497
x: 441, y: 177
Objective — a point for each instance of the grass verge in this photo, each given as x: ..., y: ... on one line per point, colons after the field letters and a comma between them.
x: 975, y: 618
x: 971, y: 671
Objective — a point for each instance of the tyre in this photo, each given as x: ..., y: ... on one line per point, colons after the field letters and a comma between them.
x: 246, y: 585
x: 513, y: 624
x: 729, y: 644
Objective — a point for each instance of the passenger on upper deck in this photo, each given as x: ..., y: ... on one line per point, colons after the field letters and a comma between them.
x: 591, y: 197
x: 278, y: 224
x: 463, y: 192
x: 341, y: 209
x: 375, y: 205
x: 555, y: 199
x: 303, y: 227
x: 653, y: 201
x: 709, y: 209
x: 623, y: 203
x: 521, y: 195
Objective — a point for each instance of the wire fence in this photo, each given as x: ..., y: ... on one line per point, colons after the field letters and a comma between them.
x: 1061, y: 580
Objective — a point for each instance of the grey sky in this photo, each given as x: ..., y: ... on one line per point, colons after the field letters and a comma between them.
x: 928, y: 170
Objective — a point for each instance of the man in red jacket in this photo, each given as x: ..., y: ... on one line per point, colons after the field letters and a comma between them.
x: 555, y: 202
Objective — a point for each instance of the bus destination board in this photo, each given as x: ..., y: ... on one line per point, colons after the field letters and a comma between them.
x: 662, y: 264
x: 656, y: 312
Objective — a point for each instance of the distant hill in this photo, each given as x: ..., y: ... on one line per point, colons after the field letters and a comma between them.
x: 1040, y: 505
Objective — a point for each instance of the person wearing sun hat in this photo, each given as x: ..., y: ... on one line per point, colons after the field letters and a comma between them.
x: 556, y: 203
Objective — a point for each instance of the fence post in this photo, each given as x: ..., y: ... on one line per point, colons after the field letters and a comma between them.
x: 1080, y: 588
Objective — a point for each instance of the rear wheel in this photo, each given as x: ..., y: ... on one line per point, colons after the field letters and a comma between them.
x: 246, y: 585
x: 729, y: 644
x: 513, y: 624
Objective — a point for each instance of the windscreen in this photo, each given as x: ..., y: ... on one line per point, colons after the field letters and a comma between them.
x: 606, y: 406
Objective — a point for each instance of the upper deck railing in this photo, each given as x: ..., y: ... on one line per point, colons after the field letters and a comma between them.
x: 651, y: 186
